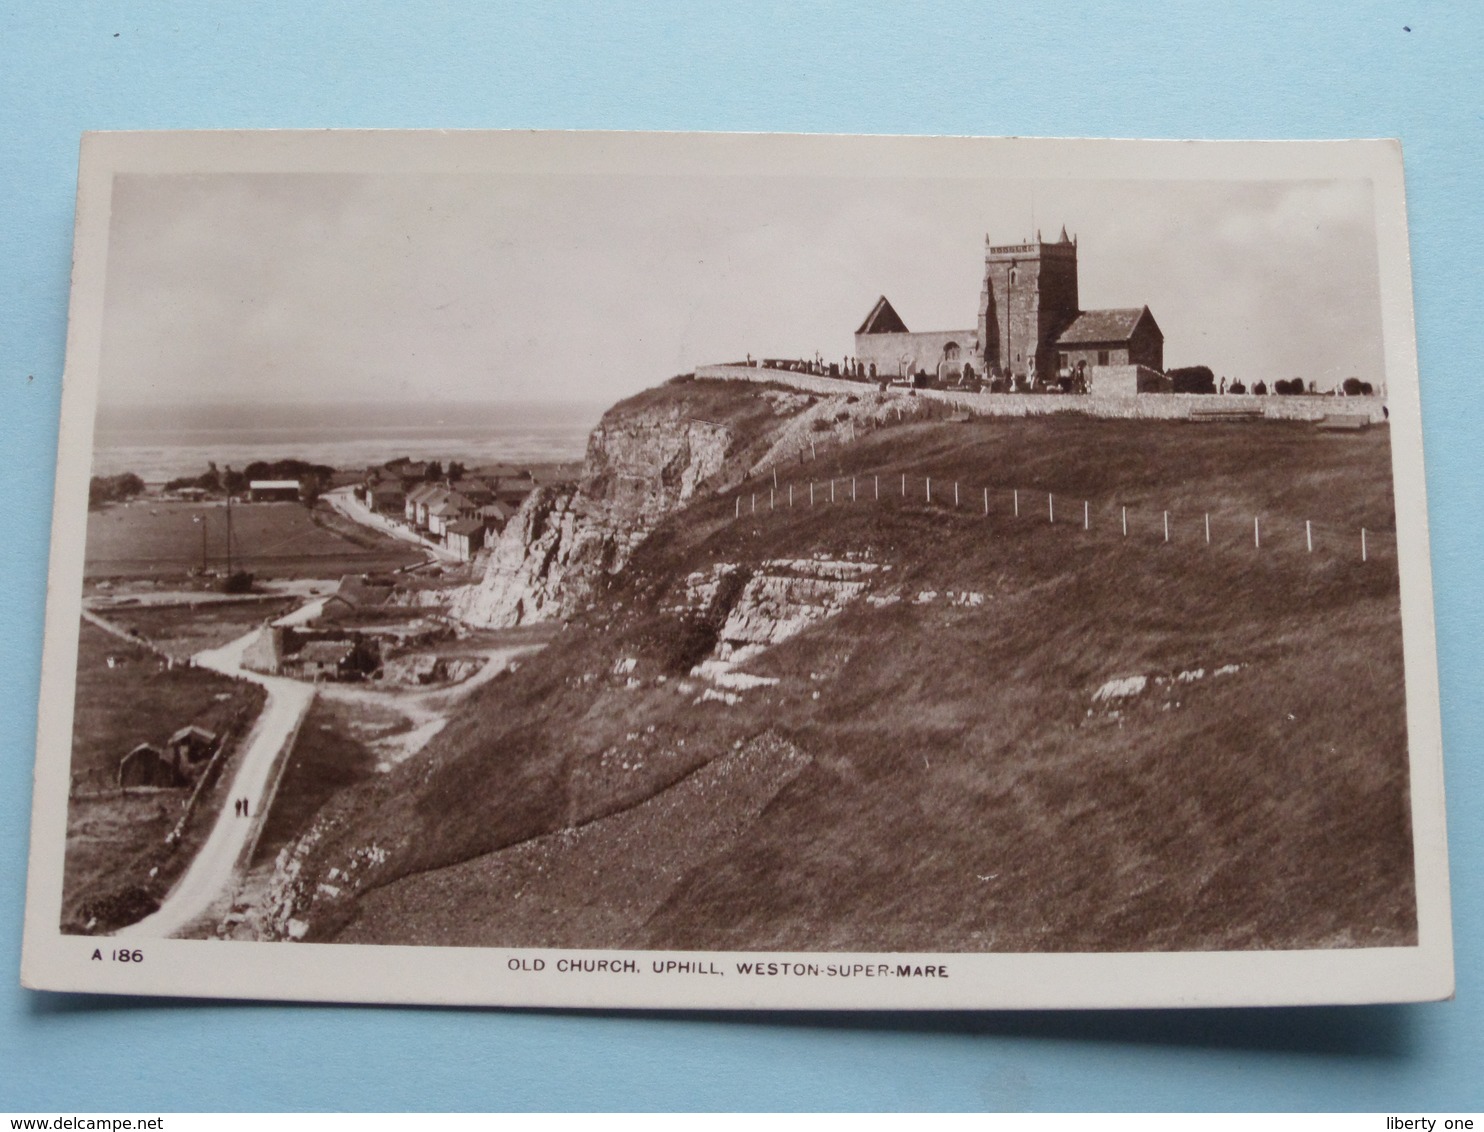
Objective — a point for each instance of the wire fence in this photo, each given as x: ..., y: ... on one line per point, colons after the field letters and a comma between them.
x: 1218, y: 528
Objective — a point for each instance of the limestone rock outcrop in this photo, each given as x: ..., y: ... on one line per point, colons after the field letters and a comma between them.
x: 640, y: 466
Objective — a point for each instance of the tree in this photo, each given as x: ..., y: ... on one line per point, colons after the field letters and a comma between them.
x: 456, y: 470
x: 1261, y: 388
x: 1236, y: 387
x: 1352, y: 387
x: 1193, y: 379
x: 113, y: 489
x: 434, y: 472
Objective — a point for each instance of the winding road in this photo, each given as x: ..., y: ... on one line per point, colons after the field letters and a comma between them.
x: 215, y: 866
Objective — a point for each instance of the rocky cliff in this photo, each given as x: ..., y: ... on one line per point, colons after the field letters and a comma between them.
x: 647, y: 457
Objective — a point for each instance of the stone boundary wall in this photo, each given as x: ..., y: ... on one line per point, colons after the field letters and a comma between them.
x: 1143, y: 406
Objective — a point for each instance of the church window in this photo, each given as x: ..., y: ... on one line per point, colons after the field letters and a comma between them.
x: 1102, y: 357
x: 1014, y: 274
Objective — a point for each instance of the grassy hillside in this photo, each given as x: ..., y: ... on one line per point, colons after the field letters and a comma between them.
x: 960, y: 787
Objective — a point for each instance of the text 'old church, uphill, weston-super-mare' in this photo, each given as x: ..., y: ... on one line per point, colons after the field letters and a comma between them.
x: 1032, y: 331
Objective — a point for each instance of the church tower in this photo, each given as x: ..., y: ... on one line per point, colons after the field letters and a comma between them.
x: 1029, y: 297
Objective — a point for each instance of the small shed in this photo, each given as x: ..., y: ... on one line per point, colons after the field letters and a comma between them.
x: 191, y: 745
x: 147, y: 765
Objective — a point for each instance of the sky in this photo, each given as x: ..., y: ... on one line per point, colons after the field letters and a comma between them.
x: 315, y: 287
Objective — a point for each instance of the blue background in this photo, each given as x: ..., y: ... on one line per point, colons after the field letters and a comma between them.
x: 1171, y: 69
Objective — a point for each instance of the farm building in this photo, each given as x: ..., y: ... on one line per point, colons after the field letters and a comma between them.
x: 357, y: 592
x: 147, y: 765
x: 321, y: 660
x: 191, y: 744
x: 273, y: 491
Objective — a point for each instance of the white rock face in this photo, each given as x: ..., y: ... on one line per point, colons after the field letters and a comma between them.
x: 775, y: 607
x: 639, y: 468
x: 1120, y: 688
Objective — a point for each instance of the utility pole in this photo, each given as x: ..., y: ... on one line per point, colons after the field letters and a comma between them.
x: 228, y: 482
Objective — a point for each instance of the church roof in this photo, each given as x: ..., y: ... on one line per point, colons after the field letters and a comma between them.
x: 883, y: 320
x: 1104, y: 326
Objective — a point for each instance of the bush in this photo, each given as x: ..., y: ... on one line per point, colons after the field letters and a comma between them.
x: 1354, y: 387
x: 1193, y: 379
x: 1261, y: 388
x: 819, y: 424
x: 1236, y: 387
x: 1289, y: 388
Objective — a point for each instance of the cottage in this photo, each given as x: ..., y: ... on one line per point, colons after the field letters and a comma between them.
x: 321, y: 660
x: 465, y: 537
x: 426, y: 502
x: 452, y: 507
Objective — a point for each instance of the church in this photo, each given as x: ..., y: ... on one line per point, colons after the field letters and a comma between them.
x: 1032, y: 332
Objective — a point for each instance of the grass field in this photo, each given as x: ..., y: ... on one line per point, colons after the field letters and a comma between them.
x: 330, y: 754
x: 184, y: 630
x: 117, y: 863
x: 145, y: 538
x: 964, y: 790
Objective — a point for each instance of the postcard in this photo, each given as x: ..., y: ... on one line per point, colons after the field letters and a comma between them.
x: 580, y: 569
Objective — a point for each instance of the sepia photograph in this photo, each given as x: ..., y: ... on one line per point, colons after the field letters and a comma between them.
x: 708, y: 570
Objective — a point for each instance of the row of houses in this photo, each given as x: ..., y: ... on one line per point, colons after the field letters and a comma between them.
x: 462, y: 513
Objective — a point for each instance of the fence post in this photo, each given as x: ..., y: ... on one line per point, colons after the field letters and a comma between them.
x: 929, y: 489
x: 1167, y: 526
x: 1125, y: 520
x: 986, y: 501
x: 812, y: 454
x: 1208, y: 528
x: 1085, y: 517
x: 771, y: 490
x: 737, y: 511
x: 955, y: 493
x: 1362, y: 544
x: 852, y: 489
x: 790, y: 496
x: 775, y: 479
x: 1256, y: 533
x: 832, y: 489
x: 1309, y: 536
x: 811, y: 493
x: 1017, y: 502
x: 1050, y: 507
x: 904, y: 485
x: 754, y: 503
x: 877, y: 478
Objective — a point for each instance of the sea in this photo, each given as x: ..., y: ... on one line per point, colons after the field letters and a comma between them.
x: 162, y: 442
